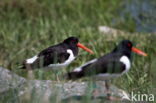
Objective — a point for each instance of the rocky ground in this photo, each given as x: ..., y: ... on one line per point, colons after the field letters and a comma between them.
x: 16, y: 88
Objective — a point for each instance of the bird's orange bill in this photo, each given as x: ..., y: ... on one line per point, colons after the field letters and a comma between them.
x: 84, y: 48
x: 138, y: 51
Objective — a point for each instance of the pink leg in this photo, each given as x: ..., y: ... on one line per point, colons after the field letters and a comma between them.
x: 109, y: 97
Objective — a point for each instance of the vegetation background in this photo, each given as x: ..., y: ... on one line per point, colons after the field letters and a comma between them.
x: 28, y: 26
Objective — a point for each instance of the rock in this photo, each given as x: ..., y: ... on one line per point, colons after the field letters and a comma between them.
x: 108, y: 30
x: 9, y: 80
x: 18, y: 89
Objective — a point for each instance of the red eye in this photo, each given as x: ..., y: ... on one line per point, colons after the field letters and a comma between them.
x: 129, y: 44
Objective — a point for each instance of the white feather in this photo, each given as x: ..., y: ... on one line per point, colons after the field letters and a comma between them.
x: 126, y: 61
x: 68, y: 61
x: 80, y: 68
x: 31, y: 60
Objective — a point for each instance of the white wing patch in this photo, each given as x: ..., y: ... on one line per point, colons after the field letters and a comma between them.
x: 68, y: 61
x: 80, y: 68
x: 31, y: 60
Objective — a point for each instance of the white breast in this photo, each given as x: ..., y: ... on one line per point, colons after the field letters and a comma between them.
x: 125, y: 60
x: 71, y: 57
x: 31, y: 60
x: 68, y: 61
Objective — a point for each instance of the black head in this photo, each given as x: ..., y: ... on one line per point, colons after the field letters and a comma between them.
x: 124, y: 48
x: 125, y: 44
x: 71, y: 41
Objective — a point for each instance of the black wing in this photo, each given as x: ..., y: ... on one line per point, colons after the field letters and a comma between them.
x: 53, y: 55
x: 107, y: 64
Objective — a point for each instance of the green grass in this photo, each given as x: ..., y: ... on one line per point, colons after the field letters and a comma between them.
x: 27, y: 27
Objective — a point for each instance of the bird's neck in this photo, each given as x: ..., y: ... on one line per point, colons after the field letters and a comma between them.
x: 123, y: 51
x: 74, y: 49
x: 126, y: 53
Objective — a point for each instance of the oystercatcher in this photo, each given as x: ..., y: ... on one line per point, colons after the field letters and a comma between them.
x: 59, y: 55
x: 109, y: 66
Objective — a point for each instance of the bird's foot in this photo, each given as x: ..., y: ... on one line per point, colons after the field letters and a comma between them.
x: 112, y: 98
x: 57, y: 78
x: 95, y: 93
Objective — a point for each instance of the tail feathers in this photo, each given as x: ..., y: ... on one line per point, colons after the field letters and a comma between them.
x: 21, y: 66
x: 25, y: 65
x: 73, y: 75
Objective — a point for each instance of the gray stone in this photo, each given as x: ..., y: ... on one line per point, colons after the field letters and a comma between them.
x: 9, y: 80
x: 19, y: 89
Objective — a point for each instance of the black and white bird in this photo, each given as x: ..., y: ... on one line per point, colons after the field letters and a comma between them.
x: 56, y: 56
x: 109, y: 66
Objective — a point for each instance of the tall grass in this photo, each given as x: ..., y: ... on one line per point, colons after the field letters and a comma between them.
x: 27, y: 27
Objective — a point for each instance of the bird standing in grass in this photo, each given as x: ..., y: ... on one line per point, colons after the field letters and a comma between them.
x: 111, y: 65
x: 56, y: 56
